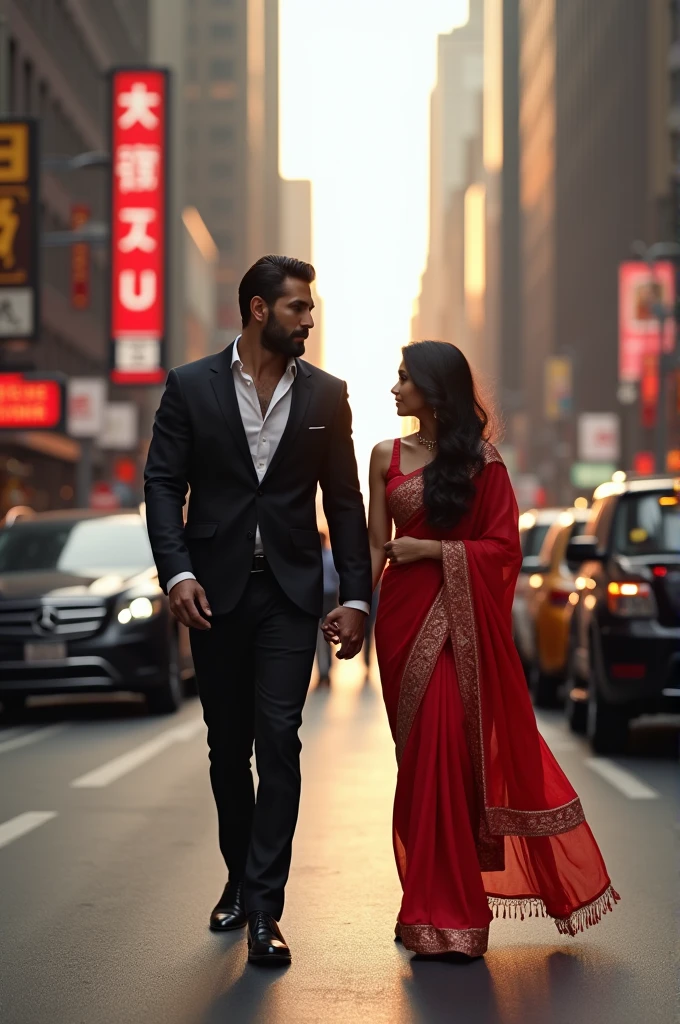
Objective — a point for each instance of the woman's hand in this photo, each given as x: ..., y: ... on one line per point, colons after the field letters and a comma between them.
x: 409, y: 549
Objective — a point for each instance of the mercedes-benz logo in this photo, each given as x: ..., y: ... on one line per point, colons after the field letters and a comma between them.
x: 45, y: 621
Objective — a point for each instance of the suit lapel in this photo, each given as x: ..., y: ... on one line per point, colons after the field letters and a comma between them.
x: 222, y: 381
x: 301, y: 393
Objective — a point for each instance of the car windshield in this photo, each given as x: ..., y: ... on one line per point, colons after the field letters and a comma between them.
x: 532, y: 539
x: 114, y: 545
x: 648, y: 524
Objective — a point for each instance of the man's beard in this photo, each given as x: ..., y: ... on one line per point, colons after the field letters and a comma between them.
x: 275, y: 338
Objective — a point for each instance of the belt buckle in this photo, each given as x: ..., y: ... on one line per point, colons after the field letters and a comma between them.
x: 258, y: 559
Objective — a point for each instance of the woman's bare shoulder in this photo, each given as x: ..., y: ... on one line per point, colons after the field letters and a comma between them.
x: 381, y: 456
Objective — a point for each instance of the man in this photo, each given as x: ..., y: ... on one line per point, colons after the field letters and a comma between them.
x: 252, y: 431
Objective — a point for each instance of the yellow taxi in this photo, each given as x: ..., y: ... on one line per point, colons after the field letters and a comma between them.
x: 551, y: 598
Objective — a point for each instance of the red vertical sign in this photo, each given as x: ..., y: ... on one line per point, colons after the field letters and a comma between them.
x: 80, y: 260
x: 139, y: 151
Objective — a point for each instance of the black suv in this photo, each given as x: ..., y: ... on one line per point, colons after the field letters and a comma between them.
x: 81, y: 610
x: 625, y: 644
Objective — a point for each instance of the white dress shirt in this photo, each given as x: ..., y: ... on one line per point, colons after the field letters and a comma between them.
x: 264, y: 435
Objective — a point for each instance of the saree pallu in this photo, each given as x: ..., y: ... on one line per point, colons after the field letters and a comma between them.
x: 485, y: 821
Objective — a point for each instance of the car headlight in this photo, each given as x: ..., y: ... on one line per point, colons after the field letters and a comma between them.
x: 138, y: 608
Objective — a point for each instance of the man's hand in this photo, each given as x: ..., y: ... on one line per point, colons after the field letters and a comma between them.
x: 345, y: 626
x: 189, y: 604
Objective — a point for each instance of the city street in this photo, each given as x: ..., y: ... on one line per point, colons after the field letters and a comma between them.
x: 109, y: 868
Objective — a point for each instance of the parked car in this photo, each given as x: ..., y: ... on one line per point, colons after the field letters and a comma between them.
x: 533, y: 527
x: 550, y: 602
x: 625, y: 657
x: 81, y: 610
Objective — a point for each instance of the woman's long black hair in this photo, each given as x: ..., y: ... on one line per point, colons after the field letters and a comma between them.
x: 442, y: 374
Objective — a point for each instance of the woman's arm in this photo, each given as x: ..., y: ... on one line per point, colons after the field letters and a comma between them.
x: 379, y: 519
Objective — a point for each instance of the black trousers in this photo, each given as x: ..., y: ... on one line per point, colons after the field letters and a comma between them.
x: 253, y: 670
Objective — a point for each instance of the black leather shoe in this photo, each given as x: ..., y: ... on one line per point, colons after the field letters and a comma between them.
x: 266, y: 944
x: 230, y: 912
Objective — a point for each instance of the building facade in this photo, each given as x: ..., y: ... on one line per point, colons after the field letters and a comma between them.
x: 232, y: 136
x: 455, y: 164
x: 589, y: 136
x: 54, y: 62
x: 296, y: 239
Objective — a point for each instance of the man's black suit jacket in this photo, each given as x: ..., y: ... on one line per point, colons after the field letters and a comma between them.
x: 199, y: 444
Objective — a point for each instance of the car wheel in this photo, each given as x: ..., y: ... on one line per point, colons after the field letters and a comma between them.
x: 544, y: 688
x: 167, y: 698
x: 607, y: 725
x: 13, y: 703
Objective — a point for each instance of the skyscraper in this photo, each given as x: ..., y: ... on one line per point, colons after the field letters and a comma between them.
x: 297, y: 240
x: 455, y: 155
x: 232, y: 134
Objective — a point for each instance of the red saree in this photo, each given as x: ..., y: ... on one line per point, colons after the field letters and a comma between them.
x: 485, y: 821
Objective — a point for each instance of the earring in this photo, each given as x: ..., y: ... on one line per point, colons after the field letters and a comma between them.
x: 435, y: 414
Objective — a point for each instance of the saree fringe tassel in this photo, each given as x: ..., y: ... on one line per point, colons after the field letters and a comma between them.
x: 584, y: 917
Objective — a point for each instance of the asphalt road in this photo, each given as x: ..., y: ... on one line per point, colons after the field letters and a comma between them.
x: 109, y: 868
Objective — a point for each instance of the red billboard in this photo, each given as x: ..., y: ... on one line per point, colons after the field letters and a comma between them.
x: 80, y: 260
x: 139, y: 154
x: 644, y: 292
x: 32, y: 401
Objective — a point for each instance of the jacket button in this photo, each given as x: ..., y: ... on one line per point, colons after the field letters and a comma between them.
x: 250, y: 535
x: 259, y: 492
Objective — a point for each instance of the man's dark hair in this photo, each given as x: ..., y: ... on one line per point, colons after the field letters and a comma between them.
x: 266, y: 279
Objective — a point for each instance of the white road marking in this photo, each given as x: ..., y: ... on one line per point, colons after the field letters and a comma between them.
x: 119, y: 766
x: 23, y: 823
x: 624, y: 781
x: 25, y: 739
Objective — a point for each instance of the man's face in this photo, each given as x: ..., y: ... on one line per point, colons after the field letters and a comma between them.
x: 289, y: 320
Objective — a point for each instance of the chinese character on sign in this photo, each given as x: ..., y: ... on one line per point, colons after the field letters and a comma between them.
x: 139, y: 99
x: 137, y: 168
x: 138, y: 103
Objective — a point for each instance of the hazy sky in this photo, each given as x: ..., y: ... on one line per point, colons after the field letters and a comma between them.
x: 355, y: 82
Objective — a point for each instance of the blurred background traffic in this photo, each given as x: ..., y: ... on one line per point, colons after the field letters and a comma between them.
x: 504, y: 175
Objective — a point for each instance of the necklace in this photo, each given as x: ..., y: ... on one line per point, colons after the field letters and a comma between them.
x: 430, y: 445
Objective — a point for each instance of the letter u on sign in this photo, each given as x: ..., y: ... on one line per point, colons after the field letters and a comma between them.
x: 137, y: 296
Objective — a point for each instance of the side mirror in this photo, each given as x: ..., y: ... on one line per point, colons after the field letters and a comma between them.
x: 583, y: 549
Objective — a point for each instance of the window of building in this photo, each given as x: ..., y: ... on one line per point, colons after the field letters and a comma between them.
x: 221, y: 30
x: 221, y: 204
x: 224, y: 241
x: 220, y: 134
x: 221, y: 69
x: 221, y: 169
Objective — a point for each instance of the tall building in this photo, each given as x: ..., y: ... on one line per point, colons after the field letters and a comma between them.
x: 588, y: 138
x: 54, y: 62
x: 502, y: 341
x: 455, y: 164
x: 231, y: 135
x: 296, y: 239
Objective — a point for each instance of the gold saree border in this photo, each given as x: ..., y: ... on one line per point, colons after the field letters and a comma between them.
x: 586, y: 916
x: 508, y: 822
x: 406, y: 499
x: 426, y: 940
x: 422, y: 658
x: 496, y: 821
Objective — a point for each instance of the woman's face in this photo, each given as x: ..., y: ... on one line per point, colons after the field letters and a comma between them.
x: 409, y: 399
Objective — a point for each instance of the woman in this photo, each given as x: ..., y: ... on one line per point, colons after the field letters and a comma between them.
x: 485, y: 821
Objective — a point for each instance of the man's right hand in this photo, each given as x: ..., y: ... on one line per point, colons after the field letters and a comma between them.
x: 189, y: 604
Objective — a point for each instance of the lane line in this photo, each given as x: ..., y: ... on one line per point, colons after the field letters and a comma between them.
x: 620, y: 779
x: 120, y: 766
x: 22, y: 824
x: 31, y: 737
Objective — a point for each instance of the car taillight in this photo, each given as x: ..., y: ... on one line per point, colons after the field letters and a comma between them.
x: 559, y: 598
x: 631, y: 599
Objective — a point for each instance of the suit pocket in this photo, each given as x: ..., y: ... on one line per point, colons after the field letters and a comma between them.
x: 200, y: 531
x: 305, y: 538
